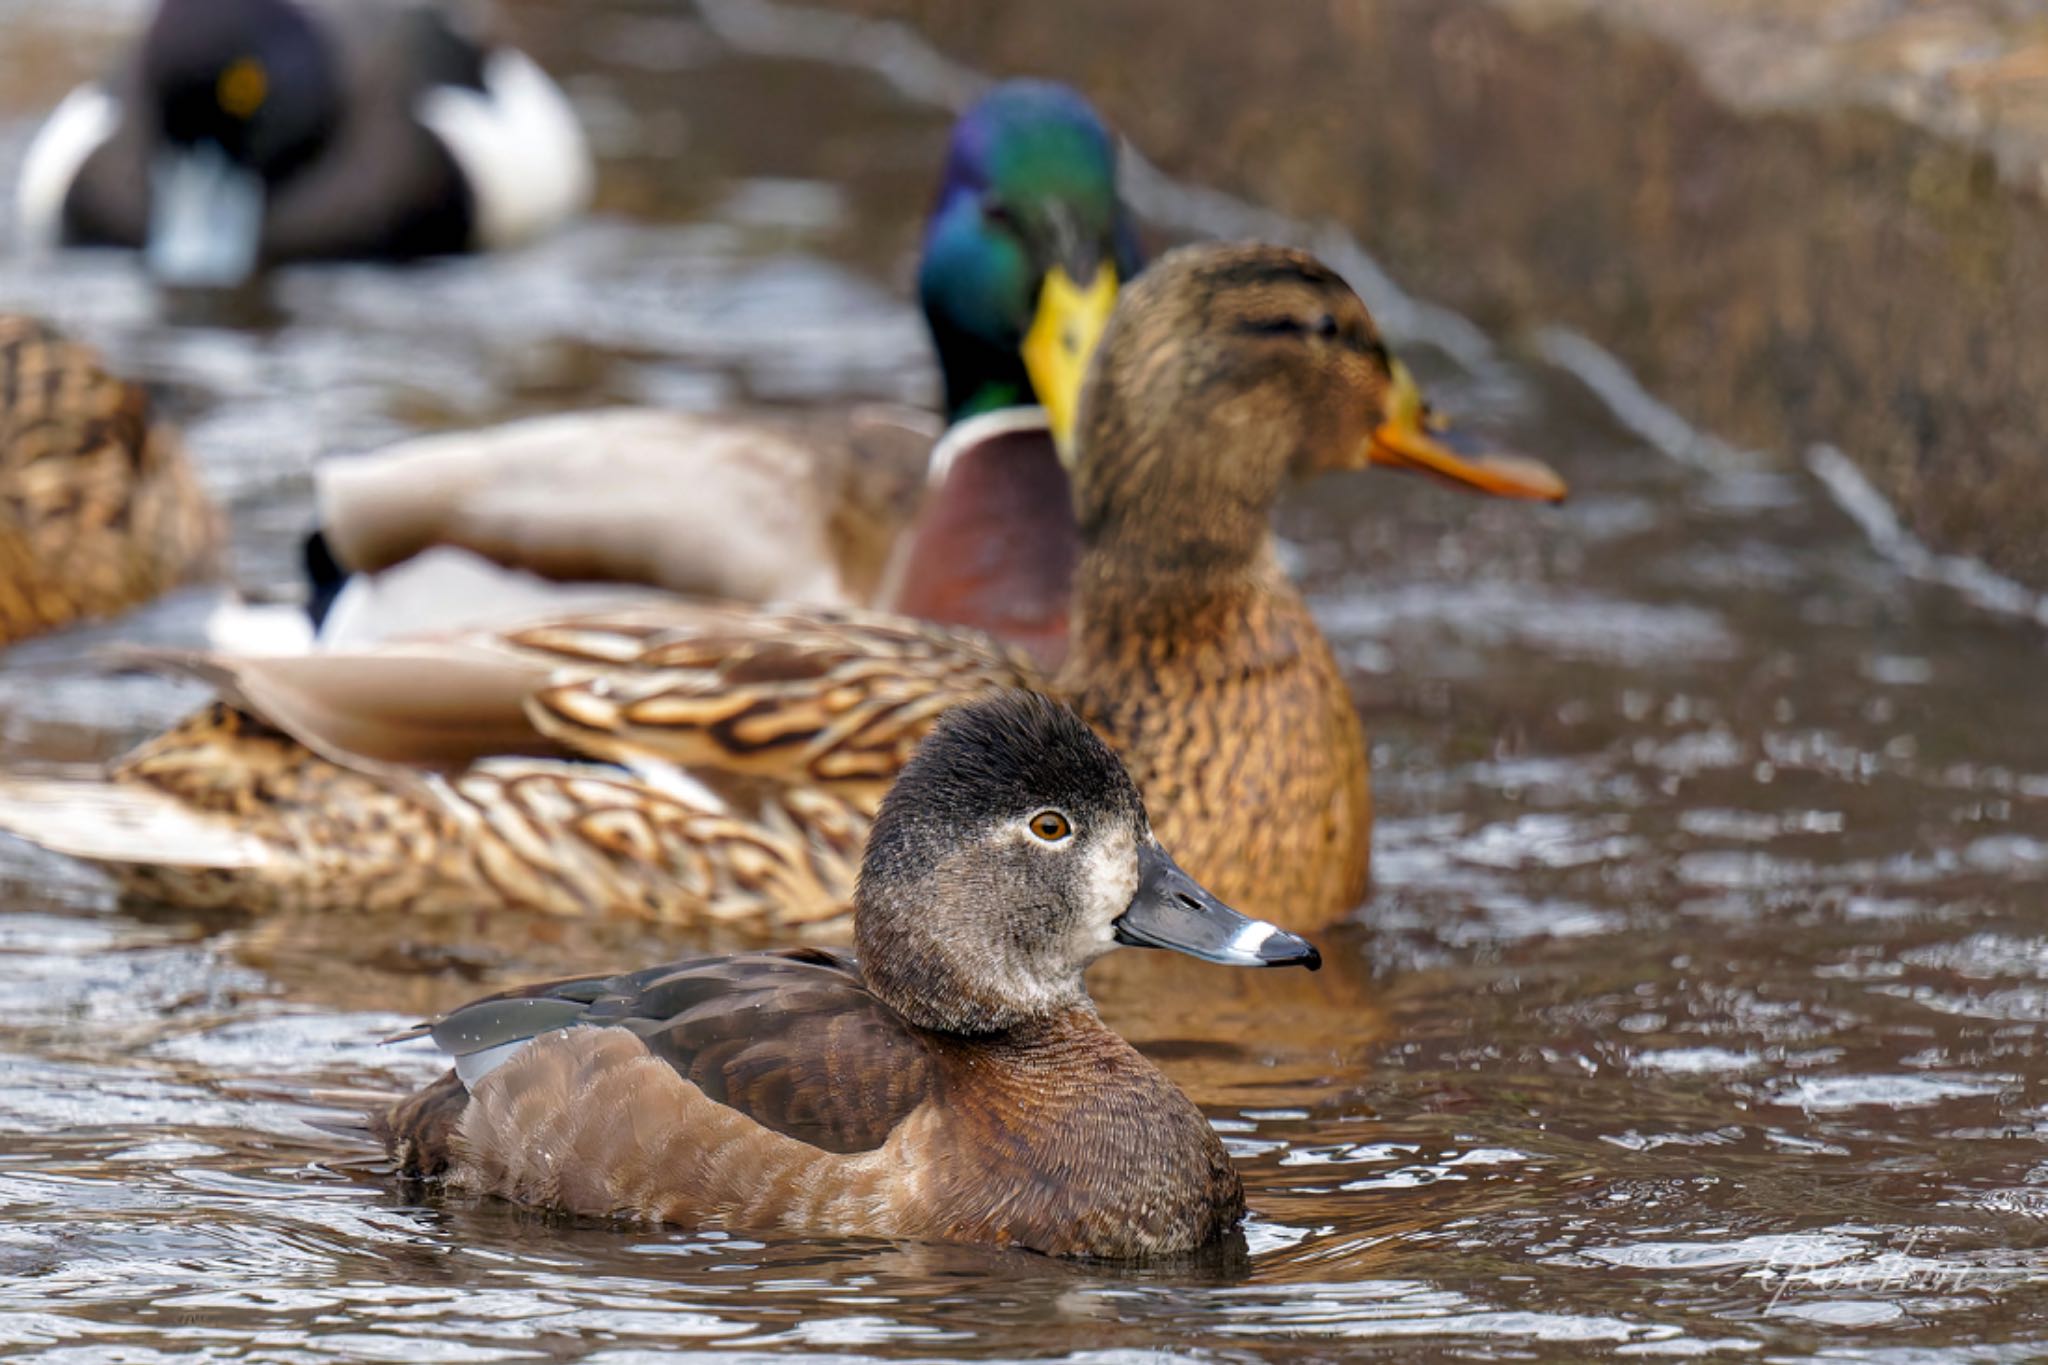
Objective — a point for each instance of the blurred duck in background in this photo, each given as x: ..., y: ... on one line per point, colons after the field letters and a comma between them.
x: 721, y: 763
x: 242, y: 134
x: 1023, y: 254
x: 99, y: 509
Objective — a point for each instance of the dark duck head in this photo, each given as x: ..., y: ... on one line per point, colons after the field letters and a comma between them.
x: 1014, y: 851
x: 247, y: 94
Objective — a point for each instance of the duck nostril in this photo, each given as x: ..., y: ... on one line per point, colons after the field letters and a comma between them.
x: 1187, y: 902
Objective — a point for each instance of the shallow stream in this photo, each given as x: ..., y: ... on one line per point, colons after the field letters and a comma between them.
x: 1699, y: 1011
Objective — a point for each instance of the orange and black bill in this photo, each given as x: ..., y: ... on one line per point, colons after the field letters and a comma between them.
x: 1413, y: 438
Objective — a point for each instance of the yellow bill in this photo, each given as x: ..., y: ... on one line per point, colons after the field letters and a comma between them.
x: 1061, y: 341
x: 1410, y: 438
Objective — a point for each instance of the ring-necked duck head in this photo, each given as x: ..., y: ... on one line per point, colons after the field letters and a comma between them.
x: 1013, y: 851
x: 1024, y: 251
x: 246, y: 94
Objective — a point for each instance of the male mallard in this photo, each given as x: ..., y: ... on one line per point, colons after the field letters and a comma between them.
x: 691, y: 762
x: 99, y: 509
x: 1023, y: 253
x: 244, y: 133
x: 954, y: 1083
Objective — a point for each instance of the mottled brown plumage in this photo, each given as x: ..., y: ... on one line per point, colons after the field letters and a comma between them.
x: 752, y: 746
x: 99, y: 509
x: 752, y: 750
x: 963, y: 1089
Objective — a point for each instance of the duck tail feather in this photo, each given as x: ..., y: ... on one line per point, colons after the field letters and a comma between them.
x: 109, y: 822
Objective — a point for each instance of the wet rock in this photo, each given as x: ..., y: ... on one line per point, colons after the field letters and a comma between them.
x: 1800, y: 221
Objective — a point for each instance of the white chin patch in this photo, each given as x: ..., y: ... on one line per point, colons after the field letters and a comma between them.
x: 1112, y: 874
x: 519, y: 146
x: 77, y: 128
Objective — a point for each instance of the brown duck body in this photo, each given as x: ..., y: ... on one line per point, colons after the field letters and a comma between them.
x: 805, y: 1105
x: 99, y: 509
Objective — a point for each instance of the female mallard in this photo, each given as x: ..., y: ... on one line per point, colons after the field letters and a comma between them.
x: 99, y: 509
x: 951, y: 1084
x: 245, y: 133
x: 1023, y: 254
x: 719, y: 762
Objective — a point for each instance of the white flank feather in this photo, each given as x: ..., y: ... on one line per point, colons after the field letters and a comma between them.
x: 78, y: 128
x: 478, y: 1065
x: 268, y: 628
x: 105, y: 822
x: 445, y: 590
x: 519, y: 146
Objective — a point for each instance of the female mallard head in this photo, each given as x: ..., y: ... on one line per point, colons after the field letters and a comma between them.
x: 1024, y: 251
x: 1227, y: 372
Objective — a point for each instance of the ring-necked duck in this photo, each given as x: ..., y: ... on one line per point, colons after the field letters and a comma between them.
x: 244, y: 133
x: 952, y: 1083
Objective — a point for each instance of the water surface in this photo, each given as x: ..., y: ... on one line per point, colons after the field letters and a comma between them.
x: 1698, y: 1012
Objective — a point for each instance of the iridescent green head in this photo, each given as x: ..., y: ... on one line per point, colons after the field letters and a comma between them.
x: 1024, y: 251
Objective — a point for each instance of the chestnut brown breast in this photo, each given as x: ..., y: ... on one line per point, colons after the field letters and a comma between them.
x: 995, y: 546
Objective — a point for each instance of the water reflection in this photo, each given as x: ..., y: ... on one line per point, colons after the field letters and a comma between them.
x: 1697, y: 1014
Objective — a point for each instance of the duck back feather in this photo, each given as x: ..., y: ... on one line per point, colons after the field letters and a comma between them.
x: 100, y: 510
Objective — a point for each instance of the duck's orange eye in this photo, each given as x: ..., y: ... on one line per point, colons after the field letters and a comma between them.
x: 243, y: 87
x: 1050, y: 826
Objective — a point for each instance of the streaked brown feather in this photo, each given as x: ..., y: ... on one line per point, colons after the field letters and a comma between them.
x: 834, y: 700
x: 99, y: 509
x: 366, y: 775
